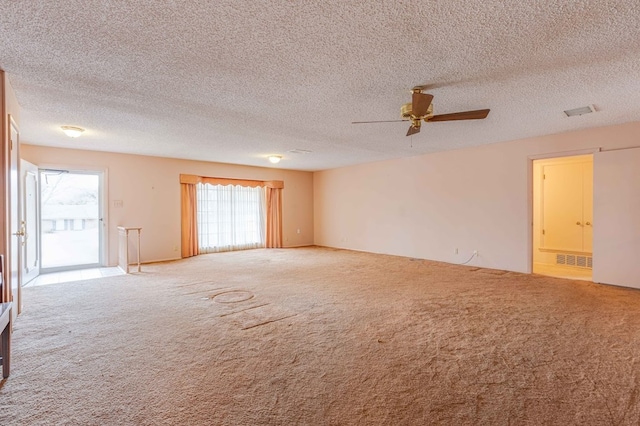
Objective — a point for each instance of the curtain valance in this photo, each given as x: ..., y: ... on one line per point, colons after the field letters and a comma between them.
x: 193, y: 179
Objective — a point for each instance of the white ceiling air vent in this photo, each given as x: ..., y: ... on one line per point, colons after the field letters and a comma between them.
x: 580, y: 111
x: 300, y: 151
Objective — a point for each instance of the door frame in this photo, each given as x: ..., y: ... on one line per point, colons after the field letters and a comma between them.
x: 102, y: 210
x: 530, y: 194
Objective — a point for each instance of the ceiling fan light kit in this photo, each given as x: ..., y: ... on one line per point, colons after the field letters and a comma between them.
x: 421, y: 108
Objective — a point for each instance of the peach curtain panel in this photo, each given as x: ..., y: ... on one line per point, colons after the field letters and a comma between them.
x: 188, y: 183
x: 274, y: 218
x: 189, y: 207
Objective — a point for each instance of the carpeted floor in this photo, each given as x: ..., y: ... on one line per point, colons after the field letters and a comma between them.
x: 317, y: 336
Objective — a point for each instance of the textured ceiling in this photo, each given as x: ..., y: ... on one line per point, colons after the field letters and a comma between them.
x: 234, y: 81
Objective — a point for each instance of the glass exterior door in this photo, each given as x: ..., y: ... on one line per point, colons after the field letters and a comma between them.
x: 70, y: 219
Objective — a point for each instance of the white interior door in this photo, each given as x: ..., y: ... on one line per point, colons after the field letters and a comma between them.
x: 30, y: 203
x: 562, y: 207
x: 616, y: 214
x: 17, y: 231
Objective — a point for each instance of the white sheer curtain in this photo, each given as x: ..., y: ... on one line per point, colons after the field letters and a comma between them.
x: 230, y: 217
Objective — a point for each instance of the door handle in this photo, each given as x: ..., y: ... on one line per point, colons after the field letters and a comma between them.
x: 578, y: 223
x: 22, y: 232
x: 588, y: 223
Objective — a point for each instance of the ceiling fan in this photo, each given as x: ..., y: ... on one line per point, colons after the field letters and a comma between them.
x: 420, y: 108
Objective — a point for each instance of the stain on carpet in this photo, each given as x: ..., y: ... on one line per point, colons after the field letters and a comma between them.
x: 232, y: 296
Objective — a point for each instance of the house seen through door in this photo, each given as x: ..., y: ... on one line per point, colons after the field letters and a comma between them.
x: 70, y: 220
x: 563, y: 217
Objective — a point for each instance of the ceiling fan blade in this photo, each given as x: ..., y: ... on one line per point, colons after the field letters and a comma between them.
x: 413, y: 130
x: 466, y: 115
x: 420, y: 104
x: 383, y: 121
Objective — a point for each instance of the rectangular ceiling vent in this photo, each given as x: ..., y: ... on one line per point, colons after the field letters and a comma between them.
x: 580, y: 111
x: 300, y: 151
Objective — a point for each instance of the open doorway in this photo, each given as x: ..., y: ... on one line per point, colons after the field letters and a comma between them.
x: 71, y: 231
x: 563, y: 217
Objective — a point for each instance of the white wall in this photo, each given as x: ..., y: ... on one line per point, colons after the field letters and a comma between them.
x: 149, y: 188
x: 472, y: 199
x: 11, y: 102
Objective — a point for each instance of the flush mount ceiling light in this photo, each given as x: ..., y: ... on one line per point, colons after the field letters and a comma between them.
x: 580, y: 111
x: 72, y: 131
x: 275, y: 158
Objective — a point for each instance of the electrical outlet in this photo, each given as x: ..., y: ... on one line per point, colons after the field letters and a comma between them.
x: 455, y: 250
x: 475, y: 252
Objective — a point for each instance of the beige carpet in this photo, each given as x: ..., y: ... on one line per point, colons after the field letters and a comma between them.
x: 324, y: 337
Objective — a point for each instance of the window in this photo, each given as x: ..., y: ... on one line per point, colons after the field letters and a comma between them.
x: 230, y: 217
x: 267, y: 212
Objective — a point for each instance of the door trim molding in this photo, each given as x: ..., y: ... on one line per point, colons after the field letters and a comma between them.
x: 564, y: 154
